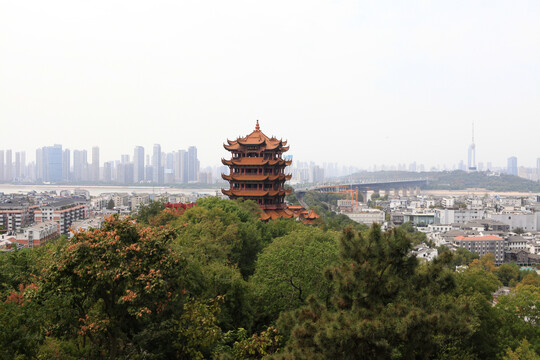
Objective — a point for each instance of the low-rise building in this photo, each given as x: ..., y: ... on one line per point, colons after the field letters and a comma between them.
x: 139, y: 200
x: 63, y: 212
x: 482, y: 245
x: 516, y: 242
x: 121, y: 200
x: 16, y: 215
x: 367, y: 216
x: 86, y: 224
x: 419, y: 219
x: 424, y: 252
x: 35, y: 235
x: 450, y: 216
x: 521, y: 257
x: 525, y: 221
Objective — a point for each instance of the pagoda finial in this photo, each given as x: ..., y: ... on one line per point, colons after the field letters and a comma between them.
x: 257, y: 128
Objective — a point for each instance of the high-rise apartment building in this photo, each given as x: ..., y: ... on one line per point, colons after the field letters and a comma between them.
x: 39, y: 164
x: 66, y: 165
x: 138, y: 164
x: 511, y: 168
x: 2, y: 165
x: 157, y: 165
x: 20, y: 165
x: 9, y: 166
x: 108, y: 171
x: 80, y: 165
x: 54, y: 162
x: 179, y: 162
x: 95, y: 164
x: 193, y: 164
x: 184, y: 169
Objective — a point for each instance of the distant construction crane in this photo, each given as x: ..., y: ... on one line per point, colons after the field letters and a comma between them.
x: 351, y: 195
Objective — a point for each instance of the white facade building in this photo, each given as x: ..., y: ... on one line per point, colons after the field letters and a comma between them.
x: 367, y: 216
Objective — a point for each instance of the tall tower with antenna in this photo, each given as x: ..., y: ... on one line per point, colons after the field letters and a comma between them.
x: 472, y: 153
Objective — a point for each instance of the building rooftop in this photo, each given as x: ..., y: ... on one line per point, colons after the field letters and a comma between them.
x: 476, y: 238
x: 65, y: 202
x: 257, y: 137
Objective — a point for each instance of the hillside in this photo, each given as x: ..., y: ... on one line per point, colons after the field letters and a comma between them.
x: 454, y: 180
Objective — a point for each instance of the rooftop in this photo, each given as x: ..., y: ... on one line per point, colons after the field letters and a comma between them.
x: 476, y: 238
x: 257, y: 137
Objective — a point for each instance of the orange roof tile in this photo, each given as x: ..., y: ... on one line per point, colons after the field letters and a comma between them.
x: 257, y: 137
x: 242, y: 177
x: 474, y: 238
x: 296, y: 207
x: 255, y: 161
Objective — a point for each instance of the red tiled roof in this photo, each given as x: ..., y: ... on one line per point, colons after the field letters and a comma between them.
x: 255, y: 161
x: 242, y: 177
x: 475, y: 238
x: 257, y: 137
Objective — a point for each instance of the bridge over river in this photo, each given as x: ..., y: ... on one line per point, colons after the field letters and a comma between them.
x: 397, y: 186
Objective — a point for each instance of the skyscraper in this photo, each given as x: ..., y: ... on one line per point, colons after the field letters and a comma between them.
x: 157, y: 165
x: 1, y: 165
x: 193, y: 164
x: 511, y: 169
x: 79, y: 164
x: 107, y: 171
x: 177, y: 166
x: 95, y: 164
x: 183, y: 165
x: 138, y: 164
x: 66, y: 165
x: 54, y: 163
x: 471, y: 164
x: 20, y: 164
x: 39, y: 164
x: 124, y: 158
x: 9, y: 166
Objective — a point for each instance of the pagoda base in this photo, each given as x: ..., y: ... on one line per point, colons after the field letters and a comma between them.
x: 297, y: 212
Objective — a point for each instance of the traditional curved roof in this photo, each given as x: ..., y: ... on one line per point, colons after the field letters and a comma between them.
x: 276, y: 214
x: 255, y: 193
x: 240, y: 177
x: 255, y: 161
x: 257, y: 137
x: 298, y: 212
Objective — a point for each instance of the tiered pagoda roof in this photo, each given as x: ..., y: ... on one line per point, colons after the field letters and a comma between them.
x: 257, y: 137
x: 256, y: 161
x: 257, y: 173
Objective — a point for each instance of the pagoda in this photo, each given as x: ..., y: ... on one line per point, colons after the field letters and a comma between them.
x: 257, y: 172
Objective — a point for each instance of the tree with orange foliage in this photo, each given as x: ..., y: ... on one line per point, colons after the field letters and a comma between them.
x: 117, y: 289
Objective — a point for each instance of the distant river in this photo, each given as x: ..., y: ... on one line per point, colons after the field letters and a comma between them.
x: 96, y: 190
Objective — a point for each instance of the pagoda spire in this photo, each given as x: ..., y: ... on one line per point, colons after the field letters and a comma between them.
x: 257, y: 128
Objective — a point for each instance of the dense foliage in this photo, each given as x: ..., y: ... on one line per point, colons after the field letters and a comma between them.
x: 214, y: 282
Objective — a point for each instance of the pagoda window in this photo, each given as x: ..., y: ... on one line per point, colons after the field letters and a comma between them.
x: 252, y: 154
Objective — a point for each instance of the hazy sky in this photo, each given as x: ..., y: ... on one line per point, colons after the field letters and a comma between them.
x: 358, y: 82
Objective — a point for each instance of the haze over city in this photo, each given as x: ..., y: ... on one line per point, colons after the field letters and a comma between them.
x: 355, y: 82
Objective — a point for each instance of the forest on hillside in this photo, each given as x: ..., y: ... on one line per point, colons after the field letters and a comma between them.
x: 453, y: 180
x: 214, y: 282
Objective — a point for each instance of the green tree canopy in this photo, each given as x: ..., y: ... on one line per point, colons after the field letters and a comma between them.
x: 117, y: 289
x: 384, y: 306
x: 292, y: 268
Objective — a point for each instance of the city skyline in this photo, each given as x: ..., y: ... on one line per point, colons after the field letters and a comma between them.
x: 377, y: 83
x: 57, y: 164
